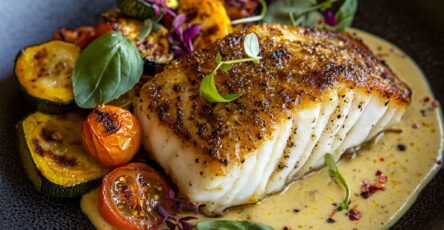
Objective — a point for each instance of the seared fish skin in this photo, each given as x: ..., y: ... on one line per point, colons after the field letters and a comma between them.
x: 313, y: 92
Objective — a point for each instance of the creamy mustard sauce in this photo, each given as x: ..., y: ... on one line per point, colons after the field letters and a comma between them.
x: 308, y: 203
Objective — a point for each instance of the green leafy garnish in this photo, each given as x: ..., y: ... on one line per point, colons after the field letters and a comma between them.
x: 231, y: 225
x: 312, y: 14
x: 108, y: 68
x: 336, y: 175
x: 345, y: 15
x: 253, y: 18
x: 208, y: 88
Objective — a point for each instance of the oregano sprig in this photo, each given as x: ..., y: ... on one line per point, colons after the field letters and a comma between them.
x: 336, y: 175
x: 208, y: 88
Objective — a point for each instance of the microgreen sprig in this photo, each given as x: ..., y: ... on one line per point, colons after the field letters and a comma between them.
x: 336, y: 175
x: 208, y: 88
x: 255, y: 18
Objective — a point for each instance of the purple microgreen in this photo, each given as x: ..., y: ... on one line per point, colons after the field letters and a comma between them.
x: 330, y: 18
x: 162, y: 211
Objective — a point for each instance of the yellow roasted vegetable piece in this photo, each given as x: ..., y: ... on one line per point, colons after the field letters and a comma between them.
x: 211, y: 14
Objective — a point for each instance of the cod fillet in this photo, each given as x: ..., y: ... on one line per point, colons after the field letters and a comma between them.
x: 313, y: 92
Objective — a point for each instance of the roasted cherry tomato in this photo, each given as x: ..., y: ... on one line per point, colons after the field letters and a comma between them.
x: 130, y: 196
x: 240, y: 8
x: 111, y: 135
x: 81, y: 36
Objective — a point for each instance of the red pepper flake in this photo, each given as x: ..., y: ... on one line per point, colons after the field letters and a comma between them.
x: 435, y: 104
x: 426, y: 99
x: 354, y: 214
x: 381, y: 159
x: 355, y: 228
x: 286, y: 228
x: 368, y: 189
x: 415, y: 126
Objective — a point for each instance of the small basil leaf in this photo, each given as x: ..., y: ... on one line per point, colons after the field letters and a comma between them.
x: 232, y: 225
x: 146, y: 29
x: 251, y: 45
x: 225, y: 67
x: 346, y: 14
x: 109, y: 67
x: 218, y: 58
x: 209, y: 91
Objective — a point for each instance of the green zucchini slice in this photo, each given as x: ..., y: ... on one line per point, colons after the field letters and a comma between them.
x: 44, y: 73
x: 154, y: 48
x: 53, y: 156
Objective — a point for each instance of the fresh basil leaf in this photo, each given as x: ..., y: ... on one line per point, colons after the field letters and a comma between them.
x: 279, y: 11
x: 209, y: 91
x: 109, y: 67
x: 251, y: 45
x: 232, y: 225
x: 345, y: 15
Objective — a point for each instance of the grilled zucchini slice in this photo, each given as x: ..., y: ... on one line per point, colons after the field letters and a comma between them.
x: 53, y: 156
x: 44, y: 73
x: 154, y: 48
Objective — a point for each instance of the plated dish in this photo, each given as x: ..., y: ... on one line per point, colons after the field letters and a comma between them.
x: 333, y: 67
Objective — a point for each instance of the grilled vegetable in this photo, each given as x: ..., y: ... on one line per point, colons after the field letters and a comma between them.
x: 154, y: 48
x: 111, y: 135
x: 129, y: 197
x: 44, y: 73
x: 53, y: 156
x: 137, y: 8
x: 211, y: 15
x: 81, y: 36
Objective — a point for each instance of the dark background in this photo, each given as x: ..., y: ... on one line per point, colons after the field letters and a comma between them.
x: 416, y: 26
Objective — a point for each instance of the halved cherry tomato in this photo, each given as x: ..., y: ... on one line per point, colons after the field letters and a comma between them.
x: 81, y: 36
x: 111, y: 135
x: 130, y: 195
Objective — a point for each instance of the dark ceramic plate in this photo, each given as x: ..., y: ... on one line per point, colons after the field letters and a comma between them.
x: 417, y: 27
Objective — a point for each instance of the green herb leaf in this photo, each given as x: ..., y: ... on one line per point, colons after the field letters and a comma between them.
x: 146, y: 29
x: 232, y: 225
x: 209, y: 91
x: 251, y: 45
x: 109, y: 67
x: 336, y: 175
x: 345, y: 15
x: 253, y: 18
x: 225, y: 67
x: 279, y: 11
x: 218, y: 58
x: 208, y: 88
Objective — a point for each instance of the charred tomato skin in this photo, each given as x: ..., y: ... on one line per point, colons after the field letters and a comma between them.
x: 111, y: 135
x: 152, y: 191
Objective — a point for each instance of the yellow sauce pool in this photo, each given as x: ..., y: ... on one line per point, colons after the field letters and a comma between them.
x: 407, y: 171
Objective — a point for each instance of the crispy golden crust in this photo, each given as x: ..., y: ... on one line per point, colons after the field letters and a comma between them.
x: 299, y: 65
